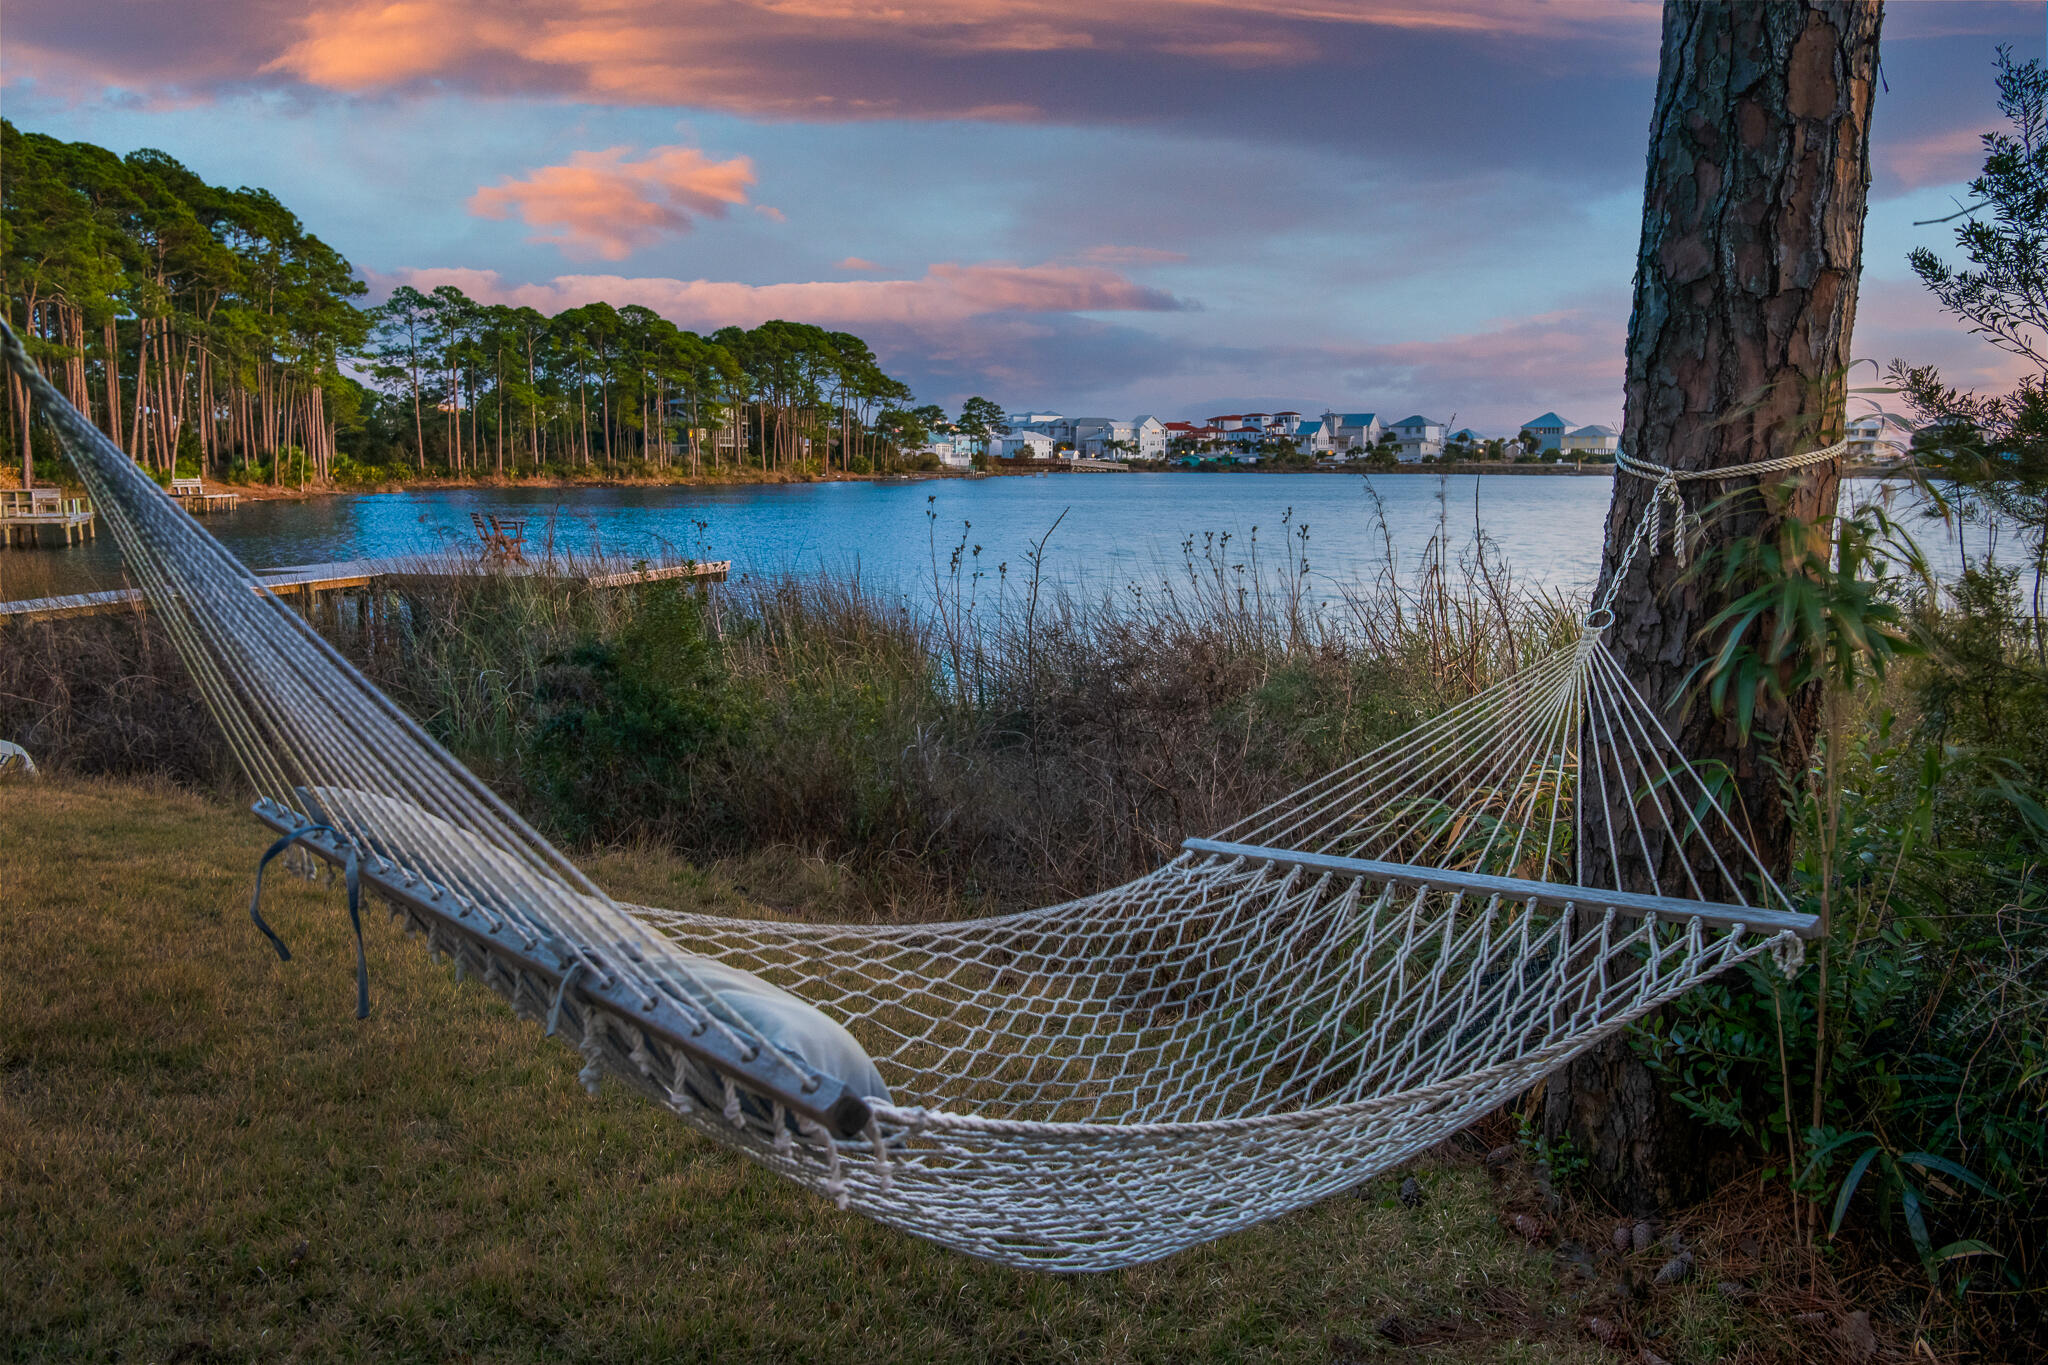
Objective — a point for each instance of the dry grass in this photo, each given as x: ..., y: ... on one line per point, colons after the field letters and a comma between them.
x: 204, y: 1155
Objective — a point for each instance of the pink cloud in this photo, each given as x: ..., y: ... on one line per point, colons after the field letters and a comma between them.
x: 604, y: 205
x: 1949, y: 156
x: 790, y: 58
x: 945, y: 294
x: 858, y: 263
x: 1901, y: 320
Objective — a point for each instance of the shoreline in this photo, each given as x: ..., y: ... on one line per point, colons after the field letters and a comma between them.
x: 436, y: 484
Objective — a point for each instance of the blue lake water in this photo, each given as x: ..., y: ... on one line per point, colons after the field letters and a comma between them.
x: 1106, y: 530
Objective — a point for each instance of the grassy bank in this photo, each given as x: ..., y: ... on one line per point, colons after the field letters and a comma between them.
x: 203, y: 1155
x: 813, y: 748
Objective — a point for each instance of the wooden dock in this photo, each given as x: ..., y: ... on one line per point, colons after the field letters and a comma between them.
x: 305, y: 584
x: 191, y: 495
x: 25, y: 513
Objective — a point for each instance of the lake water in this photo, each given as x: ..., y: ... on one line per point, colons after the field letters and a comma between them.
x: 1106, y: 530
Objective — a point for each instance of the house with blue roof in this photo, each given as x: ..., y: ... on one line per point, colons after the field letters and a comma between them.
x: 1418, y: 436
x: 1312, y: 438
x: 1549, y: 430
x: 1592, y: 440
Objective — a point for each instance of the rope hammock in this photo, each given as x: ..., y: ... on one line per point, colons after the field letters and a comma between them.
x: 1288, y: 1008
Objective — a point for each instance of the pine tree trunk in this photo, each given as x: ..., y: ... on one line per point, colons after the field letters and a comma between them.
x: 1738, y: 350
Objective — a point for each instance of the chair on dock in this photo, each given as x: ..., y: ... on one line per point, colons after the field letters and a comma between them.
x: 188, y: 488
x: 503, y: 537
x: 511, y: 533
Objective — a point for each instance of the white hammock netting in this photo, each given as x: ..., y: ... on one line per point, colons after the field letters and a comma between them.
x: 1282, y: 1012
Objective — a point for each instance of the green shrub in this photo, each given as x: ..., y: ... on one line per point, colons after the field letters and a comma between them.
x: 1919, y: 1104
x: 620, y: 726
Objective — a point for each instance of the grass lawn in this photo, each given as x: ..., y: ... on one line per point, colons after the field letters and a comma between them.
x: 204, y: 1155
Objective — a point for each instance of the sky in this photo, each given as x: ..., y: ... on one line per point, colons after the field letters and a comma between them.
x: 1179, y: 207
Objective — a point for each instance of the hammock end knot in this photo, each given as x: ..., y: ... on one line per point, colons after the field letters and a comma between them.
x: 352, y: 879
x: 1789, y: 953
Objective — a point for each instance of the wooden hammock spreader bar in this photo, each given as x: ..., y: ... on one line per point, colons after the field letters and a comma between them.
x: 1556, y: 894
x: 832, y: 1105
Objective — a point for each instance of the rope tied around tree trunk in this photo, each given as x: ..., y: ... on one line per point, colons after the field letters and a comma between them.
x: 1685, y: 524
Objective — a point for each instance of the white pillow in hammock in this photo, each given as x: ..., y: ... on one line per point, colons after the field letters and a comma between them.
x: 432, y: 847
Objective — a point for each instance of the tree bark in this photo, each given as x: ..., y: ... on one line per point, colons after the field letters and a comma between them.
x: 1738, y: 351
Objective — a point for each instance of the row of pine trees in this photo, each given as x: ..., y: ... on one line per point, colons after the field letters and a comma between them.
x: 207, y: 332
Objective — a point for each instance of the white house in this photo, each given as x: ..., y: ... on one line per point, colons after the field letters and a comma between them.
x: 1021, y: 445
x: 1031, y: 419
x: 1352, y: 430
x: 1116, y: 438
x: 1149, y: 434
x: 949, y: 452
x: 1593, y: 440
x: 1419, y: 437
x: 1090, y: 436
x: 1312, y: 438
x: 1878, y: 438
x: 1549, y: 430
x: 1465, y: 436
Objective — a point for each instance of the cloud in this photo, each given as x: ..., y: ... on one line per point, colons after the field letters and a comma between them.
x: 1131, y: 255
x: 1944, y: 157
x: 858, y: 263
x: 1900, y: 319
x: 681, y: 51
x: 945, y: 294
x: 1570, y: 359
x: 604, y: 205
x: 1440, y: 87
x: 1251, y: 66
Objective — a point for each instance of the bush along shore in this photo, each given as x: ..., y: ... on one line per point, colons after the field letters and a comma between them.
x: 837, y: 755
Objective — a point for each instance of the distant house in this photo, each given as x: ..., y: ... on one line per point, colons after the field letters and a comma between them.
x: 1148, y: 433
x: 1417, y: 437
x: 1465, y: 436
x: 1021, y: 445
x: 1117, y: 438
x: 1312, y: 438
x: 1352, y: 430
x: 1091, y: 436
x: 1593, y: 440
x: 1031, y: 419
x: 1878, y: 438
x: 1549, y: 430
x: 949, y: 452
